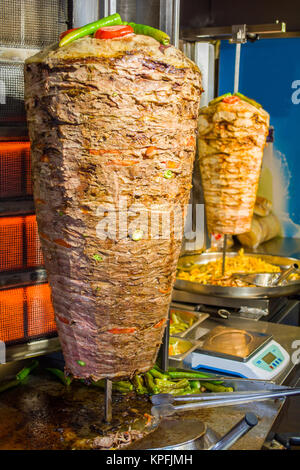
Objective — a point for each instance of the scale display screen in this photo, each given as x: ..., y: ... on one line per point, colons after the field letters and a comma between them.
x: 268, y: 358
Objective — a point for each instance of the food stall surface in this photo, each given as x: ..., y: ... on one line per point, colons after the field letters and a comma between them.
x: 248, y: 302
x: 44, y: 414
x: 223, y: 418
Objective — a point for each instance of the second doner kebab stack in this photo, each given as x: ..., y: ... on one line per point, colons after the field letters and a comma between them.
x: 232, y: 137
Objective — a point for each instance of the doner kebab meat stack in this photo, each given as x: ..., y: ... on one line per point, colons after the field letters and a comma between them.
x: 108, y: 119
x: 232, y: 136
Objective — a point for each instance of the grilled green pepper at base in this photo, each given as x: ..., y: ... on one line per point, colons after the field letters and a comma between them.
x: 151, y: 386
x: 7, y: 385
x: 180, y: 391
x: 139, y: 385
x: 195, y: 386
x: 121, y: 386
x: 168, y: 385
x: 158, y: 374
x: 60, y: 374
x: 26, y: 371
x: 20, y: 377
x: 190, y: 375
x: 216, y: 388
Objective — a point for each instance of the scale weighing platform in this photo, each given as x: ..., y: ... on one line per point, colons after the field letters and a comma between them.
x: 238, y: 352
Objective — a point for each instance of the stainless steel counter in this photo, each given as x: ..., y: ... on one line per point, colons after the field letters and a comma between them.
x: 289, y: 247
x: 222, y: 419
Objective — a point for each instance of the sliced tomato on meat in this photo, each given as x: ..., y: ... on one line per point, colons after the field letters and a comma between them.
x: 217, y: 236
x: 61, y: 242
x: 160, y: 323
x: 63, y: 320
x: 171, y: 164
x: 109, y: 32
x: 231, y: 99
x: 62, y: 35
x: 164, y: 291
x: 120, y: 331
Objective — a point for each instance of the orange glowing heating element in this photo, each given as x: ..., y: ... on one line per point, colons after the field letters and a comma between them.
x: 11, y: 243
x: 15, y: 169
x: 11, y: 315
x: 33, y: 247
x: 20, y: 246
x: 26, y: 313
x: 39, y: 310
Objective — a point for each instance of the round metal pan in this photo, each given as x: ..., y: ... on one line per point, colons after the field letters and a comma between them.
x: 237, y: 292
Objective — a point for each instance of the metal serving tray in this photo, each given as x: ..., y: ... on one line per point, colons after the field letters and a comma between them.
x: 186, y: 315
x: 237, y: 292
x: 192, y: 345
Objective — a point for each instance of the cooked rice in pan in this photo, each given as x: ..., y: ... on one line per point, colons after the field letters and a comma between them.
x: 211, y: 272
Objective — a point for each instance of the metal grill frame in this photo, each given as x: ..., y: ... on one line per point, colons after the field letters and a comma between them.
x: 12, y: 108
x: 32, y: 23
x: 25, y: 25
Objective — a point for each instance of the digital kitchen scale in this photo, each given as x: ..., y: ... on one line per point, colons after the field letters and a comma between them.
x: 232, y: 351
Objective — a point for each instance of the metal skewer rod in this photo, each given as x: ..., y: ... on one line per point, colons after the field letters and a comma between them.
x: 237, y: 67
x: 108, y: 401
x: 235, y: 90
x: 224, y: 254
x: 165, y: 348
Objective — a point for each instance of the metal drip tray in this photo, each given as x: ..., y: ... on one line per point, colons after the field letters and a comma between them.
x: 174, y: 434
x: 233, y: 343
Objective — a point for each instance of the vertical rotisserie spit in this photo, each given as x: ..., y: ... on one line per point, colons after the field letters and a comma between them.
x: 112, y: 124
x: 232, y: 136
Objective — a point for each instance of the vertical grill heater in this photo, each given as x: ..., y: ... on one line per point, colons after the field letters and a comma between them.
x: 19, y: 243
x: 15, y: 170
x: 26, y: 313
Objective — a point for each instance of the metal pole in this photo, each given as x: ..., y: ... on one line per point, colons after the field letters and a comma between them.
x: 176, y: 22
x: 204, y: 57
x: 165, y: 348
x: 169, y: 19
x: 128, y: 10
x: 83, y: 15
x: 108, y: 401
x: 224, y: 255
x: 237, y: 67
x: 108, y: 7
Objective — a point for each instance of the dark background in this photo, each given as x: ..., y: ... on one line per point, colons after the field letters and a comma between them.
x: 200, y: 13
